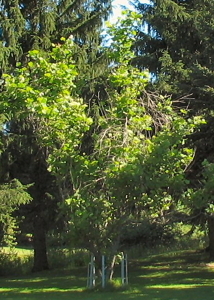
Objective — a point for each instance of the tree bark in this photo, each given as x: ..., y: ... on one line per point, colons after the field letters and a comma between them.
x: 40, y: 247
x: 110, y: 271
x: 210, y: 223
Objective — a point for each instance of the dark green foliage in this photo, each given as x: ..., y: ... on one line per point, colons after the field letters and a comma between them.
x: 12, y: 195
x: 177, y: 48
x: 25, y: 25
x: 147, y: 233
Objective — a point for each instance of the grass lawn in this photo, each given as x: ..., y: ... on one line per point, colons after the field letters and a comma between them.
x: 182, y: 275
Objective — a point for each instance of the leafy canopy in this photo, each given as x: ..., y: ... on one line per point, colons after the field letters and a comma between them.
x: 139, y: 155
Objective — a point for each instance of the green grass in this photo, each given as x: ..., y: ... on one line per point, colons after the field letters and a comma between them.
x: 183, y: 275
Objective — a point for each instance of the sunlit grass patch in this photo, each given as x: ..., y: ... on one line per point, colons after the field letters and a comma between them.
x: 20, y: 251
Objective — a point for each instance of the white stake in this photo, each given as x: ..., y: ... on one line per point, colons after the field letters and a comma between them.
x: 91, y: 273
x: 122, y: 270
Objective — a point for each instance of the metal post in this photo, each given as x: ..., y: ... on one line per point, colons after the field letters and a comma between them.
x: 103, y: 272
x: 126, y: 269
x: 88, y: 275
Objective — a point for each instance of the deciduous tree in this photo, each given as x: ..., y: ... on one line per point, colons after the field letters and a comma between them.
x: 138, y: 158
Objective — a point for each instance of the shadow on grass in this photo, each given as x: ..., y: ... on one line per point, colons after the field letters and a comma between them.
x: 173, y: 276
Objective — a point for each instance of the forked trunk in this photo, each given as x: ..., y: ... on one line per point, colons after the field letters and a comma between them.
x: 110, y: 271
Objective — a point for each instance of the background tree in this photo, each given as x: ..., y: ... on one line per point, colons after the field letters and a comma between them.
x: 30, y: 25
x: 27, y: 25
x: 176, y: 46
x: 12, y: 195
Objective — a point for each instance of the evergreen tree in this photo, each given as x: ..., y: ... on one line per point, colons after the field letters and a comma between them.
x: 12, y: 195
x: 176, y: 45
x: 27, y: 25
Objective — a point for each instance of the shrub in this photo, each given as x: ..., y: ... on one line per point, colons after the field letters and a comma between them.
x: 65, y: 258
x: 13, y: 264
x: 147, y: 234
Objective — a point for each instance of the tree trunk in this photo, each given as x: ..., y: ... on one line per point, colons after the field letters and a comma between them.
x: 211, y: 236
x: 110, y: 271
x: 40, y: 248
